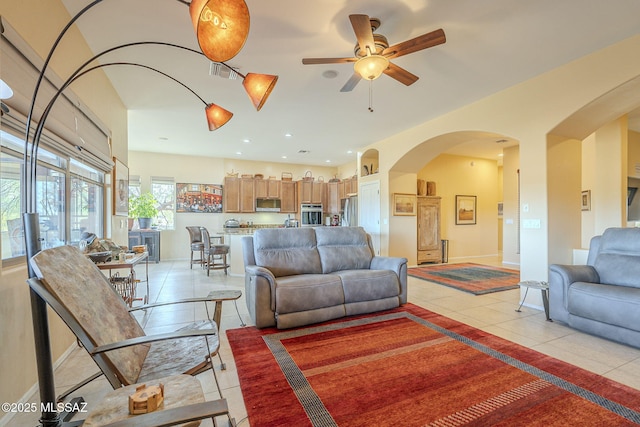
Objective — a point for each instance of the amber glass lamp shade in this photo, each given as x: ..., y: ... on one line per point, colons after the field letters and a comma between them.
x: 259, y: 87
x: 371, y: 67
x: 221, y: 26
x: 217, y: 116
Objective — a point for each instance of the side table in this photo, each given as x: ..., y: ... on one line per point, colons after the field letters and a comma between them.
x: 544, y: 289
x: 182, y: 392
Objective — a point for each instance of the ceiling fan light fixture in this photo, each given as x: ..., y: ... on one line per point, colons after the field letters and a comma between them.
x: 221, y: 26
x: 371, y: 67
x: 217, y: 116
x: 259, y: 87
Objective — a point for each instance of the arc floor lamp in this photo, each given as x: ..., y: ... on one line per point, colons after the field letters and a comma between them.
x: 230, y: 22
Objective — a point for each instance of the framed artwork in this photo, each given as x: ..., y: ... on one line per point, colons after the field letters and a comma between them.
x: 404, y: 204
x: 199, y: 198
x: 120, y: 188
x: 466, y: 210
x: 585, y: 202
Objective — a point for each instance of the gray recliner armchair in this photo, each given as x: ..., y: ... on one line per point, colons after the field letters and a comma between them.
x: 603, y: 297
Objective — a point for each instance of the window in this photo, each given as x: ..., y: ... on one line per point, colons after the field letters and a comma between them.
x: 10, y: 210
x: 164, y: 191
x: 62, y: 185
x: 86, y: 200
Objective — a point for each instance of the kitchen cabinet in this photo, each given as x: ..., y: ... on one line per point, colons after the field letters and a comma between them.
x: 267, y: 189
x: 150, y: 238
x: 333, y: 198
x: 311, y: 191
x: 429, y: 243
x: 350, y: 186
x: 288, y: 197
x: 239, y: 195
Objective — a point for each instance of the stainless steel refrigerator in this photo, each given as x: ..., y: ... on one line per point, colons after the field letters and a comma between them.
x: 349, y: 213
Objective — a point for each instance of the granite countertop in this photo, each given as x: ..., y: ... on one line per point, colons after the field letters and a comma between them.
x: 249, y: 230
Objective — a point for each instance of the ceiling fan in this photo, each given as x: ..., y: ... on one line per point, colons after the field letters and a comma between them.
x: 372, y: 53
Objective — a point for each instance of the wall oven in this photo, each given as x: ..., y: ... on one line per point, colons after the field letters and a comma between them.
x: 310, y: 214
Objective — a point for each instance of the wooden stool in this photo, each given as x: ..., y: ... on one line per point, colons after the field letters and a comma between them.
x: 179, y: 392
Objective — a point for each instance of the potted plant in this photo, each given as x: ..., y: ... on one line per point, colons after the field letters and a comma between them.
x: 143, y: 208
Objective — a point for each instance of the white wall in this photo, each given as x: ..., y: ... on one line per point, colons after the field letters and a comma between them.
x: 460, y: 175
x: 201, y: 170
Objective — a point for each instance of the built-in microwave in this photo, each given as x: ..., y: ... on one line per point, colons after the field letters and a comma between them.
x: 267, y: 205
x: 310, y: 214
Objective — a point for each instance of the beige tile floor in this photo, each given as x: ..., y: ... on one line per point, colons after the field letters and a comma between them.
x: 494, y: 313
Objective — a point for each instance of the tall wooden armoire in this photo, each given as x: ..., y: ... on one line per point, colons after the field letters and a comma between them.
x: 429, y: 243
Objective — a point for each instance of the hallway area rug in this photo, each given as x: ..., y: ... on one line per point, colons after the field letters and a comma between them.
x: 473, y: 278
x: 412, y: 367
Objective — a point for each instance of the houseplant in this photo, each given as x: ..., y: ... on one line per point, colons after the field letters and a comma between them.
x: 143, y: 207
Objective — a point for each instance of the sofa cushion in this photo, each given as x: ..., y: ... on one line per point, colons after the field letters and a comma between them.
x: 287, y: 251
x: 308, y: 292
x: 368, y: 285
x: 343, y: 248
x: 618, y: 259
x: 615, y: 305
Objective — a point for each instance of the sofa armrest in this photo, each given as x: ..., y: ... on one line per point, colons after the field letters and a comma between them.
x: 397, y: 265
x: 260, y: 291
x: 560, y: 279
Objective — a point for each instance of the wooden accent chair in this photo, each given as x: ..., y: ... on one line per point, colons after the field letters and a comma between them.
x: 197, y: 245
x: 215, y: 254
x: 83, y: 297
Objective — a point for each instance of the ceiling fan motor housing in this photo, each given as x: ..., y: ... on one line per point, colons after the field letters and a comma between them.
x: 380, y: 42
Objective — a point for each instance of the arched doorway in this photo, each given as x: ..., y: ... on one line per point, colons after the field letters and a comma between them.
x: 481, y: 165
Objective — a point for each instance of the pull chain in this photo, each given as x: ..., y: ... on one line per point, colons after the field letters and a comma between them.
x: 371, y: 96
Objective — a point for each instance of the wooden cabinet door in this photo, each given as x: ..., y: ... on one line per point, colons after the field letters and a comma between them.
x: 247, y: 195
x: 317, y: 192
x: 429, y: 243
x: 267, y: 188
x: 261, y: 188
x: 288, y: 199
x: 305, y: 191
x: 231, y: 195
x: 333, y: 198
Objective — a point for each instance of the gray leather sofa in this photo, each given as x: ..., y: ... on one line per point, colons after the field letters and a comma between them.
x: 603, y: 297
x: 299, y: 276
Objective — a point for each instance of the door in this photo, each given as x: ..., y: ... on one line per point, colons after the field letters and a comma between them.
x: 369, y: 211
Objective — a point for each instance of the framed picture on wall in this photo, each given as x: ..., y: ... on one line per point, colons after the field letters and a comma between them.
x: 120, y: 188
x: 404, y: 204
x: 466, y: 210
x: 585, y: 203
x: 199, y: 198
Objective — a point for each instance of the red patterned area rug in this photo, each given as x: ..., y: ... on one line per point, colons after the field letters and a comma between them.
x: 412, y: 367
x: 476, y: 279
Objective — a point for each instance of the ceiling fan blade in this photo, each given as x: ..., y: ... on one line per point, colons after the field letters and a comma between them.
x: 362, y: 27
x: 311, y: 61
x: 400, y: 74
x: 351, y: 83
x: 424, y: 41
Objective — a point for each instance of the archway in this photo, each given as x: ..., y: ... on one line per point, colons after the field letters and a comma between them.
x: 461, y: 163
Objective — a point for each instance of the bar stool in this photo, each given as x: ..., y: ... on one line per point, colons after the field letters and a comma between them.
x: 197, y: 245
x: 215, y: 254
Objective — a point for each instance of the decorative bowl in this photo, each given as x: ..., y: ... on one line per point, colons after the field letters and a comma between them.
x: 100, y: 256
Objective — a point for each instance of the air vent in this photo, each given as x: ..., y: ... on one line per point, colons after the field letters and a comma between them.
x: 304, y: 152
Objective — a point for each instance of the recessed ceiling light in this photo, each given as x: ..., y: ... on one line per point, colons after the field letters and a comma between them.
x: 284, y: 157
x: 288, y: 134
x: 327, y: 161
x: 246, y: 140
x: 239, y: 153
x: 500, y: 155
x: 350, y: 152
x: 330, y: 74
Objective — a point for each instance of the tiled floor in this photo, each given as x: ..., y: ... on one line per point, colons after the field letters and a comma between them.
x: 494, y: 313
